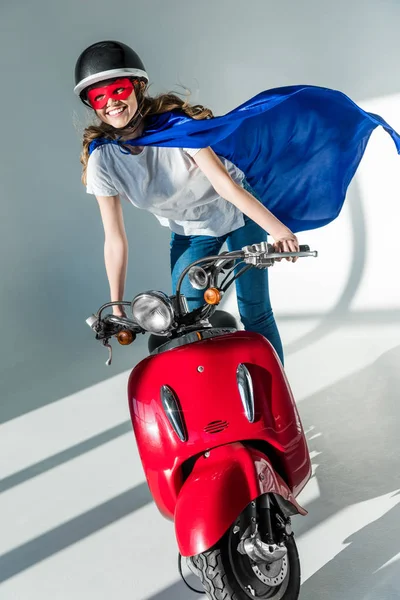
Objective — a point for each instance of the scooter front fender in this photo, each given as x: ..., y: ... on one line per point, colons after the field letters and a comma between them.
x: 222, y: 483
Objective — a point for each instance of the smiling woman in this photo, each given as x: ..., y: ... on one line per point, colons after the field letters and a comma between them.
x: 112, y: 100
x: 203, y: 198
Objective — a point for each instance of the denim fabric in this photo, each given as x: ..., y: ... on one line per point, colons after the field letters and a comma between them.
x: 251, y: 288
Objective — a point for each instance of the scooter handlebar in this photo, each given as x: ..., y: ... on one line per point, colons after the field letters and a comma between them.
x: 262, y: 255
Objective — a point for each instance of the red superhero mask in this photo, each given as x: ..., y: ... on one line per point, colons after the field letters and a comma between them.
x: 120, y: 89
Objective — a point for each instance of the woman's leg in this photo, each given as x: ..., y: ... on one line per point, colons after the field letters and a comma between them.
x: 184, y: 250
x: 252, y: 288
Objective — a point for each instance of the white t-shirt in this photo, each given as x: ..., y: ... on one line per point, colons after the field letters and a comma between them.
x: 168, y: 183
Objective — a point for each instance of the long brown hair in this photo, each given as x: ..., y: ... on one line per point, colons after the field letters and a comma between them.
x: 147, y: 107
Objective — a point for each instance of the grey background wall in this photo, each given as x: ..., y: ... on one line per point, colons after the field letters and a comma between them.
x: 76, y: 516
x: 52, y: 273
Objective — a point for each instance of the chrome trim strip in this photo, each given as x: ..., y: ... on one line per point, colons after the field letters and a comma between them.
x: 173, y: 412
x: 190, y: 338
x: 246, y: 392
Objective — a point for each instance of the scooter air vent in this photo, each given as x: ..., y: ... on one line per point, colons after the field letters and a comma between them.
x: 216, y: 426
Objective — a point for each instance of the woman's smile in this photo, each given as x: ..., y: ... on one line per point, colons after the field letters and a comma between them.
x: 115, y: 112
x: 118, y: 113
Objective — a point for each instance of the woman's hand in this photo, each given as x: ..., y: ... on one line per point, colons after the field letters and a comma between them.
x: 119, y: 311
x: 286, y: 241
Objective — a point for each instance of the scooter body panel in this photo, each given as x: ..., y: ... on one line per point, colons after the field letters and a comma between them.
x: 202, y: 375
x: 221, y: 485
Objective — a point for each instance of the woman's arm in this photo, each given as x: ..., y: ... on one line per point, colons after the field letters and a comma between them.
x: 212, y: 167
x: 115, y: 247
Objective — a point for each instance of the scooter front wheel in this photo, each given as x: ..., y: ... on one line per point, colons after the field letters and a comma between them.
x: 226, y: 574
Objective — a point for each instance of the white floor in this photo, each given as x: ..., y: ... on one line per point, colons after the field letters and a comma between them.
x: 77, y: 520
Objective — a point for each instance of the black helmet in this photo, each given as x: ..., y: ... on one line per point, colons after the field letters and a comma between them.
x: 106, y: 60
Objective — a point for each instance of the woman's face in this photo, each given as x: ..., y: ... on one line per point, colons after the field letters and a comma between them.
x: 118, y: 102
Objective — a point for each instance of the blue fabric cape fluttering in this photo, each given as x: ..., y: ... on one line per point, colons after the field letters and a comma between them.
x: 298, y: 146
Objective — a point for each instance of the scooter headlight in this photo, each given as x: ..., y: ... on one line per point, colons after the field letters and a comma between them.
x: 153, y: 312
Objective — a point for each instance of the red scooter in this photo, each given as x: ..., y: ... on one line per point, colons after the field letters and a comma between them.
x: 218, y: 431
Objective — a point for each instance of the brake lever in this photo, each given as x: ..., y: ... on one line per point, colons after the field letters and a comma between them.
x: 107, y: 328
x: 263, y: 255
x: 109, y: 348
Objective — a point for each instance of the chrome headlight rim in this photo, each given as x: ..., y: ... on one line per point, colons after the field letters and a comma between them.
x: 165, y: 301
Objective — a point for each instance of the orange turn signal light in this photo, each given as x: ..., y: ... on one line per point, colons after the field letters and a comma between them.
x: 212, y: 296
x: 125, y: 337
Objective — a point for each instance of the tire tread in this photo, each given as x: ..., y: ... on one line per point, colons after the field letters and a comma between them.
x: 210, y: 569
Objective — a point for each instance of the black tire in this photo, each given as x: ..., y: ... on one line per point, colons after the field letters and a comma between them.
x: 223, y: 574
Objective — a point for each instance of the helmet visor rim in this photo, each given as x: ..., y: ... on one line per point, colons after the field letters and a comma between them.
x: 110, y: 74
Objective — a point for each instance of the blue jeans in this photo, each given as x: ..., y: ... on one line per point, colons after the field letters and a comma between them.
x: 251, y: 288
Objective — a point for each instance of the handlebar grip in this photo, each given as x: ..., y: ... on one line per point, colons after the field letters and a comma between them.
x: 304, y: 248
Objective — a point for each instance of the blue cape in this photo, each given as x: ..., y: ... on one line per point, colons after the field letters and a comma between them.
x: 298, y: 146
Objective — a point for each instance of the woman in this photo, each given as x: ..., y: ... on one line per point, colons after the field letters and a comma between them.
x: 203, y: 199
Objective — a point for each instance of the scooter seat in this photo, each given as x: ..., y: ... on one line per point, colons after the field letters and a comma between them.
x: 221, y: 318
